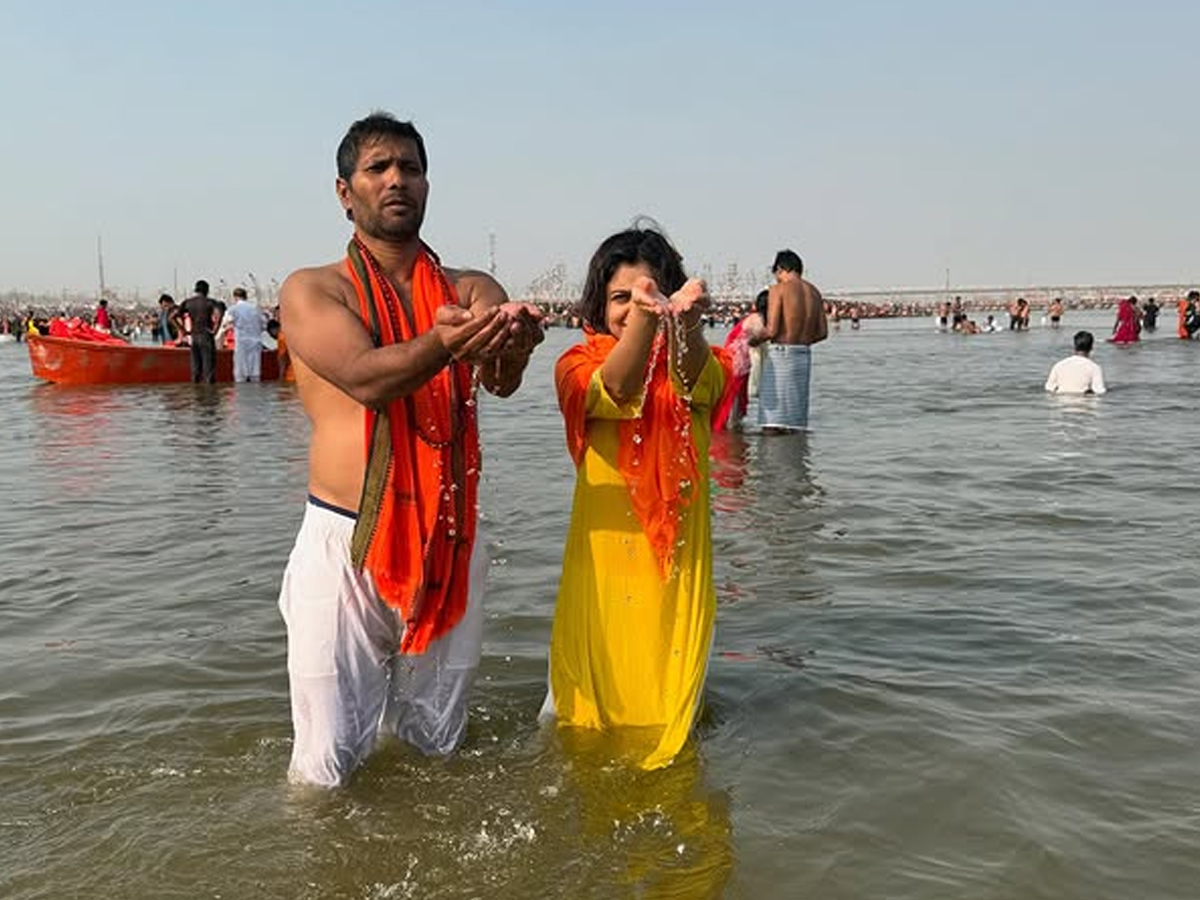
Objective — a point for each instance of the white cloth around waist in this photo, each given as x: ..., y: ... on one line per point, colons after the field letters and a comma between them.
x: 784, y: 386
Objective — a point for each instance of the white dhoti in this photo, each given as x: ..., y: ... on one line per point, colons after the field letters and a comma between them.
x: 783, y: 386
x: 756, y: 358
x: 349, y: 684
x: 247, y: 360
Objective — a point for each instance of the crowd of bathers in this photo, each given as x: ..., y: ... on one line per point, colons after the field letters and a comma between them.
x: 951, y: 315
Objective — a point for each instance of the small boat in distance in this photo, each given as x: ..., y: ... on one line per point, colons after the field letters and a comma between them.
x: 66, y: 360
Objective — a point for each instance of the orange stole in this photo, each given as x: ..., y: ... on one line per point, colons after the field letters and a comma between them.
x: 416, y: 524
x: 286, y: 372
x: 658, y: 465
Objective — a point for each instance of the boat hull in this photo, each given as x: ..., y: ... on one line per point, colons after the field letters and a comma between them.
x: 67, y: 361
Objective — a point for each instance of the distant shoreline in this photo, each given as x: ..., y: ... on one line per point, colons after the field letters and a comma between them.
x: 872, y: 303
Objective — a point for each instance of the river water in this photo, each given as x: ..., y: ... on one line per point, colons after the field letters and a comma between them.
x: 956, y: 653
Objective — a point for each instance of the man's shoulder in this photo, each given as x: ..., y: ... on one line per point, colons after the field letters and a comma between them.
x: 787, y: 290
x: 472, y: 285
x: 463, y: 279
x: 328, y: 281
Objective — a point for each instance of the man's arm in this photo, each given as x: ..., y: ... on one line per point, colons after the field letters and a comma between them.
x: 503, y: 366
x: 816, y: 308
x: 774, y: 316
x: 1098, y: 386
x: 1052, y: 379
x: 331, y: 340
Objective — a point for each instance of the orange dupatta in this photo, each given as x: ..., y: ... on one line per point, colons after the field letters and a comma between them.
x: 416, y: 523
x: 657, y: 455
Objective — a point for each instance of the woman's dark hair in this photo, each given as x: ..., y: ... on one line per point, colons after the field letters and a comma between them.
x: 760, y: 303
x: 372, y: 128
x: 643, y: 242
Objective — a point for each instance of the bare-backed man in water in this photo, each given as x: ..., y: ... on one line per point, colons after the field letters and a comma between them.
x: 795, y: 321
x: 382, y: 594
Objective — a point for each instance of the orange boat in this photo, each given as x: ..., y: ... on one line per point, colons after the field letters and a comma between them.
x: 72, y: 361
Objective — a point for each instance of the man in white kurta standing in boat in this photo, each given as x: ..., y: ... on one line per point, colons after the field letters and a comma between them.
x: 795, y: 321
x: 383, y: 592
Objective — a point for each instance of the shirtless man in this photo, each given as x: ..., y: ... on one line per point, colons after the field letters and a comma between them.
x: 1055, y: 312
x: 795, y: 321
x: 383, y: 591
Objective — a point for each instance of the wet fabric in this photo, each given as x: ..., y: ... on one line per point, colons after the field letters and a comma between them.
x: 204, y: 357
x: 783, y: 386
x: 417, y: 514
x: 744, y: 359
x: 348, y: 684
x: 657, y: 467
x: 247, y: 323
x: 247, y: 362
x: 1076, y: 375
x: 1127, y: 324
x: 629, y: 645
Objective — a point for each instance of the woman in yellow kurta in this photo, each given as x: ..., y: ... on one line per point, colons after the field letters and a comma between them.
x: 636, y: 604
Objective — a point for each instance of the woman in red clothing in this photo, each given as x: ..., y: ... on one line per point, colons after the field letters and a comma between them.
x: 1125, y: 329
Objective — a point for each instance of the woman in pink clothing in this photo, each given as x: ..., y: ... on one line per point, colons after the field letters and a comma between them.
x: 732, y: 407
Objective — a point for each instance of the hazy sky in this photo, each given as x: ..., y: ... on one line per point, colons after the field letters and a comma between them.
x: 1010, y: 142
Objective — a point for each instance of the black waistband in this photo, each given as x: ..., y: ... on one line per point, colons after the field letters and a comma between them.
x: 341, y: 511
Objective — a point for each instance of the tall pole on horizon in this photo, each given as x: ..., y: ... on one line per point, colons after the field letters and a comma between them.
x: 100, y: 260
x: 492, y: 253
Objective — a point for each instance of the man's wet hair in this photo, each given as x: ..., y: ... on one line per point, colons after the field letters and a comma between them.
x: 1193, y: 295
x: 166, y: 298
x: 202, y: 287
x: 788, y: 261
x: 1083, y: 342
x: 643, y: 242
x: 374, y: 127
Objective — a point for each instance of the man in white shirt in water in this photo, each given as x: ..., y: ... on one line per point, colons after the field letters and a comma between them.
x: 248, y: 325
x: 1077, y: 374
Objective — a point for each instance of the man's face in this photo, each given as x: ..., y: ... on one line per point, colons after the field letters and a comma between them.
x: 386, y: 194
